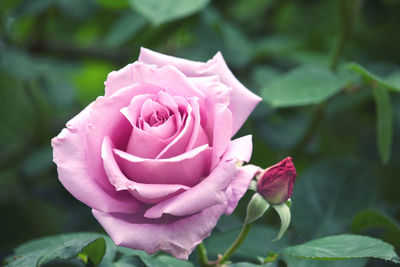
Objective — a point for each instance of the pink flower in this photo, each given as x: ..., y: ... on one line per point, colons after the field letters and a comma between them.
x: 154, y: 158
x: 276, y: 183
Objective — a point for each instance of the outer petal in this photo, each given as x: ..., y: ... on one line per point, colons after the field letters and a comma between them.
x: 212, y: 190
x: 239, y: 186
x: 240, y: 150
x: 168, y: 77
x: 219, y: 123
x: 188, y: 67
x: 177, y: 236
x: 70, y: 157
x: 119, y: 79
x: 209, y: 192
x: 242, y: 102
x: 202, y: 82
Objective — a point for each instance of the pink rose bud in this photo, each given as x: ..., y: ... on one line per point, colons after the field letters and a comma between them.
x: 275, y: 183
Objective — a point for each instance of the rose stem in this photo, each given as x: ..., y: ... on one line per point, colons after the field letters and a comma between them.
x: 239, y: 240
x: 202, y: 252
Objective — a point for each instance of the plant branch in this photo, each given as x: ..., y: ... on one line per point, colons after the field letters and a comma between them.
x: 348, y: 18
x: 239, y: 240
x: 202, y: 253
x: 70, y: 51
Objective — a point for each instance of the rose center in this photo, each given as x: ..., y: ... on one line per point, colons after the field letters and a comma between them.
x: 158, y: 117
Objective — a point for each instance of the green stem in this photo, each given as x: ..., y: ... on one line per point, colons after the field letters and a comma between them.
x: 344, y: 29
x: 348, y: 18
x: 239, y: 240
x: 202, y: 253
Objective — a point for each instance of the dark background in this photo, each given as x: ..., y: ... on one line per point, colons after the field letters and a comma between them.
x: 55, y: 56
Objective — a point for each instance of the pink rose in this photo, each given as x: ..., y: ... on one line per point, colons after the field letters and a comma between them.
x: 154, y: 158
x: 276, y: 183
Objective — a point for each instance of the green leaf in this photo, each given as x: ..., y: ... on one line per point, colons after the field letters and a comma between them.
x: 159, y: 12
x: 300, y: 262
x: 159, y: 260
x: 227, y: 223
x: 384, y: 115
x: 305, y: 85
x: 394, y: 79
x: 256, y: 208
x: 329, y: 193
x: 125, y: 261
x: 95, y: 251
x: 283, y: 131
x: 34, y: 8
x: 59, y: 248
x: 115, y: 4
x: 373, y: 218
x: 164, y: 260
x: 247, y: 264
x: 342, y: 247
x: 126, y: 27
x: 368, y: 219
x: 389, y: 84
x: 239, y: 54
x: 284, y: 213
x: 264, y: 74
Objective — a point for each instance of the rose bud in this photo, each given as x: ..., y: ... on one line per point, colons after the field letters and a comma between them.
x: 275, y: 183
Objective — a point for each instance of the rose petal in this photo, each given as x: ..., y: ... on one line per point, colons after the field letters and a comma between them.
x: 107, y: 120
x: 180, y: 142
x: 168, y: 101
x: 211, y: 190
x: 185, y: 169
x: 199, y: 136
x: 149, y: 107
x: 176, y: 236
x: 119, y: 79
x: 70, y: 157
x: 132, y: 112
x: 219, y: 123
x: 164, y: 130
x: 242, y: 101
x: 188, y: 67
x: 147, y: 193
x: 142, y: 144
x: 202, y: 82
x: 167, y: 77
x: 207, y: 193
x: 239, y: 150
x: 239, y: 186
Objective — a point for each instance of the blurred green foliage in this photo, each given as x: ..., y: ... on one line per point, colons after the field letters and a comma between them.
x: 341, y: 126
